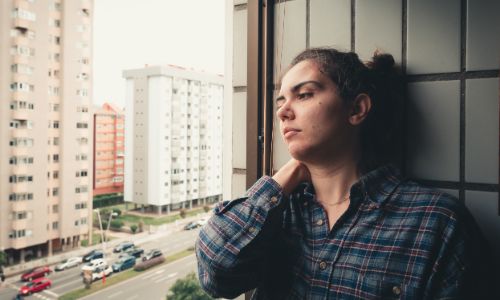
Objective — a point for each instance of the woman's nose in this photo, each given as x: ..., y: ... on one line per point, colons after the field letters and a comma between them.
x: 285, y: 111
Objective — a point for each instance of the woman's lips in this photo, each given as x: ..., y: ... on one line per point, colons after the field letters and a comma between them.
x: 290, y: 132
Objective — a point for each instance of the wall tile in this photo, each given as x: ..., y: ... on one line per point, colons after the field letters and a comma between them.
x: 290, y: 32
x: 330, y: 24
x: 240, y: 130
x: 433, y: 130
x: 484, y: 208
x: 483, y: 28
x: 378, y: 26
x: 481, y: 130
x: 240, y: 48
x: 433, y: 36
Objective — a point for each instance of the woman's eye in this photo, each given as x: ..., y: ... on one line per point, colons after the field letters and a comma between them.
x: 304, y: 96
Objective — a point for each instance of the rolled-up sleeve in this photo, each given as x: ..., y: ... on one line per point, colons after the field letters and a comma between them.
x: 231, y: 246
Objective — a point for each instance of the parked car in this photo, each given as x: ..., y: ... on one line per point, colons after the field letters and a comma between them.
x: 135, y: 252
x: 34, y: 286
x: 93, y: 265
x: 152, y: 254
x: 123, y: 246
x: 69, y: 263
x: 124, y: 263
x: 102, y: 271
x: 94, y: 254
x: 36, y: 273
x: 192, y: 225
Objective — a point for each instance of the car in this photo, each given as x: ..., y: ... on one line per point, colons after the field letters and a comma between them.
x: 135, y: 252
x: 152, y: 254
x: 124, y: 263
x: 191, y: 225
x: 101, y: 272
x: 93, y: 265
x: 123, y: 246
x: 94, y: 254
x: 36, y: 273
x: 69, y: 263
x: 202, y: 221
x: 34, y: 286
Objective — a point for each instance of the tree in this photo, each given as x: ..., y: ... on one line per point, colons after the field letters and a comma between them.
x: 182, y: 213
x: 187, y: 288
x: 3, y: 258
x: 116, y: 224
x: 133, y: 228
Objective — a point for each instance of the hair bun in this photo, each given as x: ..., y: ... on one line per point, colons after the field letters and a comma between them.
x: 382, y: 63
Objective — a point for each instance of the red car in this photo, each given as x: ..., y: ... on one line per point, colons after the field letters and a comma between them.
x: 35, y: 286
x: 36, y: 273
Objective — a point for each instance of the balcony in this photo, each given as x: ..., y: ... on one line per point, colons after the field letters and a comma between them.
x: 22, y: 24
x: 20, y: 205
x: 20, y: 169
x: 20, y: 114
x: 19, y: 187
x: 19, y: 151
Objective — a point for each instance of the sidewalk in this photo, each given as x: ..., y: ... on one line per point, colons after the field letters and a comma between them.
x: 138, y: 239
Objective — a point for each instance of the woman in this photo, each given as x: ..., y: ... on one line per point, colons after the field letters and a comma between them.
x: 338, y: 221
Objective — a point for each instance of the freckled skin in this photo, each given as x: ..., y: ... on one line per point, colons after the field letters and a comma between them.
x: 322, y: 119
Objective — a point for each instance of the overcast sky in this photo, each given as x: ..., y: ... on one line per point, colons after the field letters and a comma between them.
x: 131, y: 33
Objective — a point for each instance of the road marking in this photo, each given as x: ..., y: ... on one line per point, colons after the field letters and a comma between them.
x: 115, y: 294
x: 133, y: 297
x: 169, y: 276
x: 59, y: 286
x: 51, y: 293
x: 154, y: 274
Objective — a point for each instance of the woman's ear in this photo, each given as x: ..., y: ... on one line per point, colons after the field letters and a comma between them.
x: 360, y: 109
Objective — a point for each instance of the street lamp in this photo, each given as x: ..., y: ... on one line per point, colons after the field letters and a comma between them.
x: 111, y: 215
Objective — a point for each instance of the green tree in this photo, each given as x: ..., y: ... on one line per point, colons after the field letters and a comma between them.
x: 3, y: 258
x: 116, y: 224
x: 182, y: 213
x: 187, y: 288
x: 133, y: 228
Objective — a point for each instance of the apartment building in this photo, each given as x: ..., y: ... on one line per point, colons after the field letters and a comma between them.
x: 45, y: 128
x: 173, y: 142
x: 108, y: 149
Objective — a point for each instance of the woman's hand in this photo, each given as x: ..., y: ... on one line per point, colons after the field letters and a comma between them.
x: 292, y: 174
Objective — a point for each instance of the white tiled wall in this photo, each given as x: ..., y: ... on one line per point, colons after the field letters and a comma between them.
x: 433, y: 36
x: 433, y: 130
x: 240, y: 48
x: 481, y: 130
x: 378, y: 29
x: 239, y: 130
x: 330, y: 24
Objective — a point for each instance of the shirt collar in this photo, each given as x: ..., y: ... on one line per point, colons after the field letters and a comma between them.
x: 377, y: 185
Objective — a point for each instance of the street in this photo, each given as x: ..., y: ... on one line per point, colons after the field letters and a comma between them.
x: 68, y: 280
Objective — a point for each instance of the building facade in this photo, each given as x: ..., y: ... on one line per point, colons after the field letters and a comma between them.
x: 173, y: 142
x: 45, y: 178
x: 109, y: 128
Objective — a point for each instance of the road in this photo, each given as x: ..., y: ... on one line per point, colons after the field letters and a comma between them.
x: 152, y: 285
x: 68, y: 280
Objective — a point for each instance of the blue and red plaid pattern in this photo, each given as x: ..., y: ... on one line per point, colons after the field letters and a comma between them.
x: 397, y: 240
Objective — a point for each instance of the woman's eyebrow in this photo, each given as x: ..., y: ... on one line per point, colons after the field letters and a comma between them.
x: 296, y: 87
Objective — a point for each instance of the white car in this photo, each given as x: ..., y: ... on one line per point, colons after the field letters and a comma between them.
x: 101, y: 271
x: 94, y: 264
x: 69, y: 263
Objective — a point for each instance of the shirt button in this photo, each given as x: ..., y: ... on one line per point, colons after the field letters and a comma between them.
x: 251, y: 229
x: 274, y: 199
x: 319, y: 222
x: 322, y: 265
x: 396, y: 290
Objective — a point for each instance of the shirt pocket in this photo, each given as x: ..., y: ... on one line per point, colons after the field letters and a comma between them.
x: 390, y: 289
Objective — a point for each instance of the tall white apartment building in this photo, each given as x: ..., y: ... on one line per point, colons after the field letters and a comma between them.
x: 45, y: 126
x: 173, y: 137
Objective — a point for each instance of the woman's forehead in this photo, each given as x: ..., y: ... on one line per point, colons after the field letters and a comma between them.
x: 306, y: 70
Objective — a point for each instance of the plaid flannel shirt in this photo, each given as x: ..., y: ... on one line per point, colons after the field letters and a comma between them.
x: 397, y: 240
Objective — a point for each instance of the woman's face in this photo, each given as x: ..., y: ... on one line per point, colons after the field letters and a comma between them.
x: 313, y: 118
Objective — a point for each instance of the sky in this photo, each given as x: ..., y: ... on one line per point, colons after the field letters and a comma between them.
x: 129, y: 34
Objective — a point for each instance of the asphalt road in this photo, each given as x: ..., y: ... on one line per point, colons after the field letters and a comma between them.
x: 68, y: 280
x: 151, y: 285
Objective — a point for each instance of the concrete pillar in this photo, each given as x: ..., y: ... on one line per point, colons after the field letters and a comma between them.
x: 49, y: 248
x: 21, y: 256
x: 190, y: 204
x: 168, y: 208
x: 142, y: 208
x: 159, y: 209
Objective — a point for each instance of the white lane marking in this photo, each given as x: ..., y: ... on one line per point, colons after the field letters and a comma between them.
x: 169, y: 276
x: 153, y: 274
x: 51, y: 293
x: 115, y: 294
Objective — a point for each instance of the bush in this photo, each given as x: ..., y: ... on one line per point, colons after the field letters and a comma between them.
x: 133, y: 228
x: 116, y: 224
x: 143, y: 265
x: 206, y: 208
x: 117, y: 211
x: 182, y: 213
x: 187, y: 288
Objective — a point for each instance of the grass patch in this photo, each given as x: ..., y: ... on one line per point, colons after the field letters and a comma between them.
x: 96, y: 239
x: 130, y: 219
x: 124, y: 275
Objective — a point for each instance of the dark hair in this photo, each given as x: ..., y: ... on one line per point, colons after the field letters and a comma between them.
x: 381, y: 131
